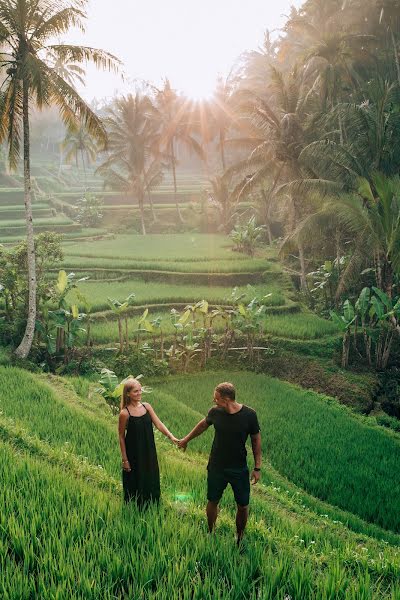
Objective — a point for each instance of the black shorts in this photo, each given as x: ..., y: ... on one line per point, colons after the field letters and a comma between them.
x: 239, y: 480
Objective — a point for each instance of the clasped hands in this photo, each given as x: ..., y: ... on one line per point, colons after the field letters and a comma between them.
x: 180, y: 443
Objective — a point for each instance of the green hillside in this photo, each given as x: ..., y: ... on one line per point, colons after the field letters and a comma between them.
x: 65, y: 534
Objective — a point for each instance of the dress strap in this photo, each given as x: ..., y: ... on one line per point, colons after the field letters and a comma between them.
x: 128, y: 411
x: 144, y: 407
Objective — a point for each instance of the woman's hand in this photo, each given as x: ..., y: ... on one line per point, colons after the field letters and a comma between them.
x: 126, y: 466
x: 174, y: 440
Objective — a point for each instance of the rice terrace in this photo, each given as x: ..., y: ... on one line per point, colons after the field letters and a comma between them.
x: 193, y: 262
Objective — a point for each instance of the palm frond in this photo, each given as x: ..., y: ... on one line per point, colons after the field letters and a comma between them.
x: 58, y: 23
x: 78, y: 54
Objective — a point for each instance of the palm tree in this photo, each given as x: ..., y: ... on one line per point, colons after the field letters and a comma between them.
x: 221, y: 112
x: 70, y: 72
x: 373, y: 136
x: 276, y: 130
x: 173, y: 116
x: 225, y: 201
x: 369, y: 218
x: 26, y: 27
x: 79, y: 142
x: 132, y: 164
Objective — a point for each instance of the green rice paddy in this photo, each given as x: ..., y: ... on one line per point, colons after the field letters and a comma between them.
x: 65, y: 534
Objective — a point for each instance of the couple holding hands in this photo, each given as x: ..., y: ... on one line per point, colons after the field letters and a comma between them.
x: 233, y: 423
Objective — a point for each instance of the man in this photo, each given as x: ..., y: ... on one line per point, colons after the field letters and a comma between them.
x: 233, y: 423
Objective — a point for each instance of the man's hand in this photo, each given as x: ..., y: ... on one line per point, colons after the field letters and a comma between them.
x: 182, y: 444
x: 255, y: 477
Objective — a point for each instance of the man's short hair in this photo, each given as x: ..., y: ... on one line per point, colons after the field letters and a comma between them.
x: 226, y: 390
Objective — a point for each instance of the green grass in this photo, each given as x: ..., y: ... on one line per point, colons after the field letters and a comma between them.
x: 208, y: 253
x: 300, y: 325
x: 236, y: 264
x: 167, y: 247
x: 296, y: 326
x: 58, y: 220
x: 314, y: 442
x: 65, y: 534
x: 154, y: 292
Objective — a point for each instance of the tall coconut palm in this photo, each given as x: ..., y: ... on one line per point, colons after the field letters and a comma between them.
x: 79, y: 143
x: 70, y: 72
x: 277, y: 131
x: 173, y: 116
x: 221, y: 113
x: 373, y: 135
x: 370, y: 218
x: 26, y: 30
x: 132, y: 164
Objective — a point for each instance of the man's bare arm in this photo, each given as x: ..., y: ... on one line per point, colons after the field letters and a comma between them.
x: 256, y: 446
x: 196, y: 431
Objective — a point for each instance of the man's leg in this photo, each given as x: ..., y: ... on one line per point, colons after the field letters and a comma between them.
x: 212, y: 514
x: 242, y: 515
x: 216, y: 483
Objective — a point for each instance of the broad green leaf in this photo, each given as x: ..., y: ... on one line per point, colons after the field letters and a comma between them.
x: 364, y: 189
x: 377, y: 308
x: 147, y: 326
x: 143, y: 317
x: 185, y: 316
x: 242, y: 310
x: 338, y: 320
x: 62, y: 282
x: 363, y: 301
x: 348, y: 311
x: 384, y: 298
x: 204, y: 307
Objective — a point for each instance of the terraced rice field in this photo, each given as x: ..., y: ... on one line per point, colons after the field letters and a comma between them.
x: 65, y: 534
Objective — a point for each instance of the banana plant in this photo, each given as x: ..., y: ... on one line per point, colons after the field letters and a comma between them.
x: 362, y: 306
x: 120, y: 311
x: 143, y: 326
x: 157, y: 327
x: 111, y: 389
x: 386, y: 315
x: 248, y: 320
x: 345, y: 323
x: 68, y: 323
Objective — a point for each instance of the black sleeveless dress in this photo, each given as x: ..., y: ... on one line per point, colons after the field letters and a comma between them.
x: 143, y: 482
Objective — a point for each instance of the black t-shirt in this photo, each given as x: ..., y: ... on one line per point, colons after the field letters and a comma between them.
x: 231, y: 431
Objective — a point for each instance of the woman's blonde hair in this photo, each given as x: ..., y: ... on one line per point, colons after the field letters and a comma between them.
x: 129, y: 383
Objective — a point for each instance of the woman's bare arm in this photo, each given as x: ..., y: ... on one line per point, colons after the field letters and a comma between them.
x: 158, y: 423
x: 123, y: 418
x: 196, y: 431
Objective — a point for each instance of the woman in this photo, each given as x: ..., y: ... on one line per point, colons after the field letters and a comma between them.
x: 140, y: 475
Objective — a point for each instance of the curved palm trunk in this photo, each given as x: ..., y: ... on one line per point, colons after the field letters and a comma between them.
x: 222, y: 149
x: 84, y: 168
x: 141, y: 208
x: 24, y: 348
x: 153, y: 212
x: 396, y: 56
x: 174, y: 178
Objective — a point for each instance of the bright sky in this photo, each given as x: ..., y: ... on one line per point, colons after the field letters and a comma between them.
x: 189, y: 41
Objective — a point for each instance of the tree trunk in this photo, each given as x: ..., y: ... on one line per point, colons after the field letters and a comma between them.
x: 174, y: 177
x: 396, y: 56
x: 126, y: 335
x: 24, y: 348
x: 141, y: 208
x: 84, y: 169
x: 345, y: 350
x: 303, y: 274
x: 121, y: 339
x: 153, y: 212
x: 222, y: 149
